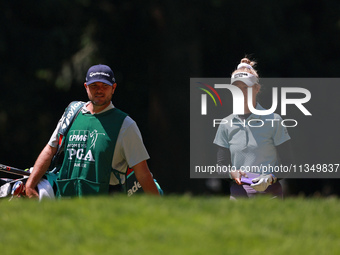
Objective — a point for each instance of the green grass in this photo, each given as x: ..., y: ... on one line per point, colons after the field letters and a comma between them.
x: 170, y: 225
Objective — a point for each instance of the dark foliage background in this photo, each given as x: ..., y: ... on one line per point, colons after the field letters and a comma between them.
x: 154, y: 47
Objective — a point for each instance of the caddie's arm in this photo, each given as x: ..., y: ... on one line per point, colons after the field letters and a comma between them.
x: 145, y: 178
x: 40, y: 167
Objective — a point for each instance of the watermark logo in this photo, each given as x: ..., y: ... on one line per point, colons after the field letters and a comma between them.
x: 253, y: 125
x: 204, y: 97
x: 239, y: 99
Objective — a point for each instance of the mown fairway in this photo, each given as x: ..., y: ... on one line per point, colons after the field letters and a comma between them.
x: 170, y: 225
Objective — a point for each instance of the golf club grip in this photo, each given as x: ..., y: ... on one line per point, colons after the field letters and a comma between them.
x: 13, y: 170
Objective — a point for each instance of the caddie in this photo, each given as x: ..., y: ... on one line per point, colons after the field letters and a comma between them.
x: 101, y: 144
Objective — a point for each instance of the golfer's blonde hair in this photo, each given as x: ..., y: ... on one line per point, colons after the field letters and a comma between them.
x: 245, y: 69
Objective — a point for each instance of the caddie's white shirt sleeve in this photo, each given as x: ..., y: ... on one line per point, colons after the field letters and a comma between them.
x: 129, y: 150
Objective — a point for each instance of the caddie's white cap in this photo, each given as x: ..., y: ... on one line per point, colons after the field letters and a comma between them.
x: 247, y: 78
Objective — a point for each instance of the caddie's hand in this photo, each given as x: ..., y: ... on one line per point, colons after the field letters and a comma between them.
x: 31, y: 192
x: 262, y: 182
x: 236, y: 175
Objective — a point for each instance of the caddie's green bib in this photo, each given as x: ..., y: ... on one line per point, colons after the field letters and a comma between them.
x: 89, y: 148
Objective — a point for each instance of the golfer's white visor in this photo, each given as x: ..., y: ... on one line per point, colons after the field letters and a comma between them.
x: 247, y: 78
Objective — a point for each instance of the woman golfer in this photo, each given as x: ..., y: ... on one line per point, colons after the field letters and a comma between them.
x: 252, y: 145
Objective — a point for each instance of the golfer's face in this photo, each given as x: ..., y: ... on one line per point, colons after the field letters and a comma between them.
x: 244, y: 88
x: 99, y: 93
